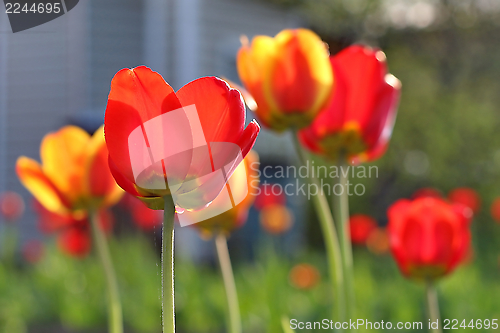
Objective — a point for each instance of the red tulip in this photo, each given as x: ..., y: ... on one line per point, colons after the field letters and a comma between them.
x: 467, y: 197
x: 163, y: 142
x: 427, y: 192
x: 268, y: 197
x: 73, y: 231
x: 145, y: 218
x: 11, y: 206
x: 495, y: 209
x: 359, y: 119
x: 429, y: 237
x: 361, y: 226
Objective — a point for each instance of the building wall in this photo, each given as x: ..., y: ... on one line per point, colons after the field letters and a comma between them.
x: 60, y: 72
x: 41, y: 87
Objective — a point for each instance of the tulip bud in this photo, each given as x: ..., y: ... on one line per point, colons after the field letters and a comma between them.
x: 289, y: 77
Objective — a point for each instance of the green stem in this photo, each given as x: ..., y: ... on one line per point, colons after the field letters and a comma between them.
x: 433, y: 306
x: 229, y: 284
x: 167, y: 267
x: 341, y: 212
x: 115, y: 320
x: 285, y: 324
x: 330, y: 237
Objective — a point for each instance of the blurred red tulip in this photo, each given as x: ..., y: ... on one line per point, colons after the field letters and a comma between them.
x: 74, y: 176
x: 159, y: 140
x: 268, y: 197
x: 495, y: 209
x: 11, y: 206
x: 75, y: 241
x: 33, y: 251
x: 73, y: 231
x: 359, y: 118
x: 467, y: 197
x: 429, y: 237
x: 288, y: 76
x: 361, y: 227
x: 427, y: 192
x: 304, y: 276
x: 145, y: 218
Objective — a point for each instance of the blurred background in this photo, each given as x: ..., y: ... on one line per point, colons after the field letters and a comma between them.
x: 445, y: 52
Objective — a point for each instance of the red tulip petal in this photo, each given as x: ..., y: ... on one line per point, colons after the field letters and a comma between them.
x: 332, y: 118
x: 75, y: 241
x: 220, y: 108
x: 121, y: 180
x: 364, y: 70
x: 309, y: 139
x: 99, y: 180
x: 379, y: 129
x: 247, y: 139
x: 137, y: 95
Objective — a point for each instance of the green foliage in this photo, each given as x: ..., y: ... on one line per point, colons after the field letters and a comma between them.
x: 62, y: 291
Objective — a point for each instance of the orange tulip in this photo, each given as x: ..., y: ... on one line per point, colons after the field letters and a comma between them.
x: 276, y: 219
x: 289, y: 76
x: 304, y: 276
x: 74, y: 176
x: 378, y: 241
x: 236, y: 216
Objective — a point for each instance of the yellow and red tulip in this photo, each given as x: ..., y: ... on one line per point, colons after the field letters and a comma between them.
x: 289, y: 77
x: 245, y: 178
x: 358, y: 121
x: 74, y: 176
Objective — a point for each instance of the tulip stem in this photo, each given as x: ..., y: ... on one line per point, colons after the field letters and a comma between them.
x: 115, y: 319
x: 433, y: 307
x: 329, y: 235
x: 234, y: 322
x: 167, y: 267
x: 341, y: 212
